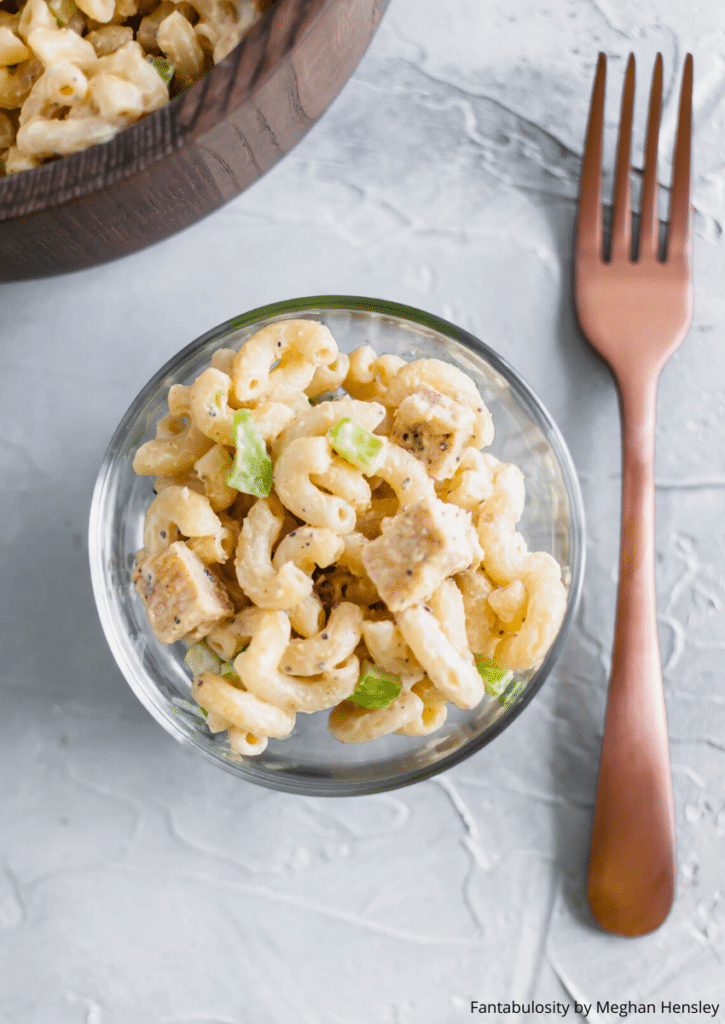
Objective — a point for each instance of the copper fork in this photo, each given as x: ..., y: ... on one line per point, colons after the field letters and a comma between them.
x: 635, y: 312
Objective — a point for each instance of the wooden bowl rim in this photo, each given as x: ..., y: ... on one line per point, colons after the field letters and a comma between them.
x: 154, y: 137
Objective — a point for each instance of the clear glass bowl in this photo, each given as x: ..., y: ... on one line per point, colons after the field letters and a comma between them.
x: 310, y: 761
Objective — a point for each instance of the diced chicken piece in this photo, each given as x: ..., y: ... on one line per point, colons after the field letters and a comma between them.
x: 448, y: 380
x: 418, y: 549
x: 182, y: 596
x: 434, y: 428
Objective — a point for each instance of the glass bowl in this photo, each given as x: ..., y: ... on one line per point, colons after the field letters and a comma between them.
x: 310, y: 761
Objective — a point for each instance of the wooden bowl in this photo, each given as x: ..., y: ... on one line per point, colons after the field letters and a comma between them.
x: 193, y: 155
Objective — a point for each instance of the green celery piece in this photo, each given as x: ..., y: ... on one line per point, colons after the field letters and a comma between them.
x: 63, y: 10
x: 227, y: 668
x: 252, y: 469
x: 512, y: 692
x: 164, y: 67
x: 376, y: 688
x: 200, y: 658
x: 183, y: 707
x: 495, y: 678
x: 357, y: 445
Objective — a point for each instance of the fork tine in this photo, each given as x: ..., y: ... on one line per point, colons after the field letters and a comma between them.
x: 680, y: 210
x: 589, y: 225
x: 622, y: 223
x: 649, y: 237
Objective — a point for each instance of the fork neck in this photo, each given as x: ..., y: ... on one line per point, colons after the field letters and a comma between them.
x: 636, y: 613
x: 638, y: 403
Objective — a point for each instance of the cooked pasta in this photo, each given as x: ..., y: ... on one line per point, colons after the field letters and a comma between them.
x: 359, y: 555
x: 73, y: 74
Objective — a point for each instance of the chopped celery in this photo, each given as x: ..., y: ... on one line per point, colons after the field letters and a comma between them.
x: 512, y: 692
x: 357, y: 445
x: 495, y: 678
x: 164, y: 67
x: 63, y: 10
x: 499, y: 682
x: 183, y: 708
x: 201, y: 658
x: 227, y: 668
x: 376, y: 688
x: 252, y: 469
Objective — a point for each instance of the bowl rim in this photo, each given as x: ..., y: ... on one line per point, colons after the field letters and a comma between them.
x: 153, y: 138
x: 535, y: 408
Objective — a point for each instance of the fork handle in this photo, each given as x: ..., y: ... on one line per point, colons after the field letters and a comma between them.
x: 632, y: 863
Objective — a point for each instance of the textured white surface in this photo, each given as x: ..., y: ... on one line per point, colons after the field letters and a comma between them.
x: 139, y: 885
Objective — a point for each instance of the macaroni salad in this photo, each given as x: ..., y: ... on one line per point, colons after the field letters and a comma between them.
x: 327, y: 534
x: 75, y: 73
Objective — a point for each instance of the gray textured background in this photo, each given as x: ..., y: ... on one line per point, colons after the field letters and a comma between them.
x: 139, y: 885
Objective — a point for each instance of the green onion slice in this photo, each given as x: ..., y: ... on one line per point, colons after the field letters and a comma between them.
x: 357, y: 445
x: 200, y: 658
x: 63, y: 10
x: 252, y: 469
x: 376, y: 688
x: 164, y: 67
x: 495, y: 678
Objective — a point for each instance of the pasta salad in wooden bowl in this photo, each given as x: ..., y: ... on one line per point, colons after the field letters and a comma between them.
x: 123, y: 121
x: 349, y: 539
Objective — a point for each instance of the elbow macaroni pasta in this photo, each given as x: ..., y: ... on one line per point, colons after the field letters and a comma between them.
x: 176, y: 511
x: 302, y: 459
x: 334, y: 643
x: 73, y: 74
x: 258, y: 668
x: 260, y: 581
x: 305, y: 610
